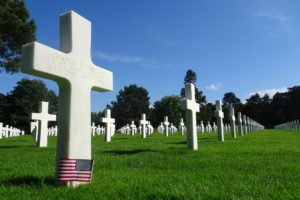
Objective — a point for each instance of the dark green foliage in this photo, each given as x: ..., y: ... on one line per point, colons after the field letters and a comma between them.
x: 230, y: 99
x: 262, y: 165
x: 16, y: 29
x: 191, y: 77
x: 24, y: 99
x: 167, y: 106
x: 131, y: 103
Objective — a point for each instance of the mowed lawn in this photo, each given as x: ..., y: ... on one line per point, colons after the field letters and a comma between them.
x: 260, y: 165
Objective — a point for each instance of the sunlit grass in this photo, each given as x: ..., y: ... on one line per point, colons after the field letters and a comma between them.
x: 261, y: 165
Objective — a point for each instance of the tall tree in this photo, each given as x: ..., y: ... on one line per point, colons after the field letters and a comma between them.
x: 17, y: 29
x: 131, y: 102
x: 191, y: 77
x: 24, y: 99
x: 230, y: 99
x: 167, y: 106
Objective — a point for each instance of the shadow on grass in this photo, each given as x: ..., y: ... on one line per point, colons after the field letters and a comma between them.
x: 11, y: 147
x: 184, y: 142
x: 29, y: 180
x: 129, y: 152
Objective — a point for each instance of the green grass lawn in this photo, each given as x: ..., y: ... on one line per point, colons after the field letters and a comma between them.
x: 261, y: 165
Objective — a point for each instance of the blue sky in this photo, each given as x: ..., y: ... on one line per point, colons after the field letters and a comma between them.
x: 234, y: 45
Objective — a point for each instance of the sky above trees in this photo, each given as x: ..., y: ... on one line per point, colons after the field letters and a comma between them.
x: 235, y: 45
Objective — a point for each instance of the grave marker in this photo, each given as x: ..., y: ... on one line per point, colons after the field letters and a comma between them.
x: 43, y: 118
x: 191, y: 107
x: 220, y: 115
x: 143, y: 123
x: 76, y: 76
x: 232, y: 122
x: 108, y: 124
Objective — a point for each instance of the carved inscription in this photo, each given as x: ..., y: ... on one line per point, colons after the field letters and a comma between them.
x: 70, y: 68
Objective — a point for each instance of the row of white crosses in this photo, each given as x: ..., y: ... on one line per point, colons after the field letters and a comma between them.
x: 245, y: 124
x: 291, y: 125
x: 9, y: 131
x: 144, y: 128
x: 166, y: 127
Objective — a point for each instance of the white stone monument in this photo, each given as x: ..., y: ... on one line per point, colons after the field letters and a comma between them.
x: 191, y: 107
x: 232, y: 122
x: 220, y: 115
x: 181, y: 126
x: 133, y: 128
x: 108, y: 124
x: 166, y: 124
x: 143, y: 123
x: 76, y: 75
x: 240, y: 124
x: 1, y: 130
x: 43, y: 118
x: 245, y: 124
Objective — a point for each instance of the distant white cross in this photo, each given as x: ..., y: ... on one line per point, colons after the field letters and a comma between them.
x: 191, y: 107
x: 76, y: 75
x: 1, y: 130
x: 240, y: 123
x: 245, y: 124
x: 181, y: 124
x: 143, y: 123
x: 166, y: 123
x: 133, y: 128
x: 43, y: 118
x: 108, y: 124
x: 232, y: 122
x: 220, y: 115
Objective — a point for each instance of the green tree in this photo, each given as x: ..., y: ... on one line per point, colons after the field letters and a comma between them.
x: 3, y: 106
x: 191, y: 77
x: 228, y: 99
x: 131, y: 102
x: 167, y: 106
x: 24, y: 99
x: 17, y: 29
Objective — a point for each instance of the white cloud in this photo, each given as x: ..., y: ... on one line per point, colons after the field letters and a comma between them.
x: 276, y: 23
x: 214, y: 86
x: 116, y: 58
x: 271, y: 92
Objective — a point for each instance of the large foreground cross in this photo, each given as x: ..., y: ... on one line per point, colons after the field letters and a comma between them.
x: 76, y: 76
x: 191, y: 107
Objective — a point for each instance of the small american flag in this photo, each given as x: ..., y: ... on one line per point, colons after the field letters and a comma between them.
x: 77, y: 170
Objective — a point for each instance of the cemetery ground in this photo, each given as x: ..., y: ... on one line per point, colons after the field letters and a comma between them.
x: 260, y: 165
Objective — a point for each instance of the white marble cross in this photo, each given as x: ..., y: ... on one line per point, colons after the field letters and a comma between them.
x: 133, y: 128
x: 232, y: 122
x: 108, y: 124
x: 166, y: 123
x: 76, y: 75
x: 43, y: 117
x: 93, y: 129
x: 1, y: 130
x: 191, y: 107
x: 181, y: 125
x: 220, y: 115
x: 143, y: 123
x: 245, y: 124
x: 240, y: 123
